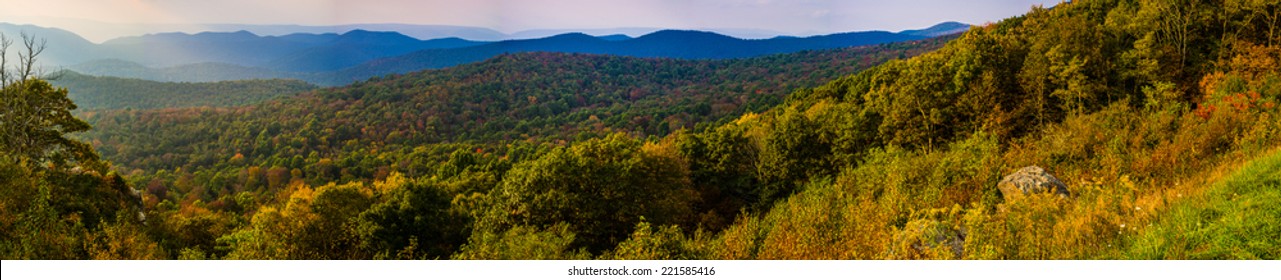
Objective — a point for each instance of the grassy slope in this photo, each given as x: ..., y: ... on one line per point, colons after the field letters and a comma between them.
x: 902, y: 204
x: 1235, y: 218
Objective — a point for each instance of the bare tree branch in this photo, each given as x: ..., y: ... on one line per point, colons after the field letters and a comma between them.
x: 27, y: 61
x: 4, y: 60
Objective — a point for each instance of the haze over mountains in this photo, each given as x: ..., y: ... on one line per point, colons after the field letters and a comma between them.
x: 1159, y: 143
x: 355, y: 55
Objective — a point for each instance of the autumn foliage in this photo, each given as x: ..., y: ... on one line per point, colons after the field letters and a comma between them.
x: 1161, y: 117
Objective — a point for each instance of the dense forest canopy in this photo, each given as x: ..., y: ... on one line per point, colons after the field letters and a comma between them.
x: 332, y: 59
x: 55, y: 192
x: 521, y: 99
x: 1160, y: 117
x: 93, y: 93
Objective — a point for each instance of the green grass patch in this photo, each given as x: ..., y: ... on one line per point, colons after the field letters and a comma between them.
x: 1239, y: 217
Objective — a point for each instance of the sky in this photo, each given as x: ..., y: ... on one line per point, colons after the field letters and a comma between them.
x: 98, y: 20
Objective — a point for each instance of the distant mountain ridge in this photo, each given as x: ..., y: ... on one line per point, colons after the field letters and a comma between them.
x: 106, y: 93
x: 941, y: 29
x: 334, y: 59
x: 417, y: 31
x: 65, y: 47
x: 665, y: 44
x: 196, y: 72
x: 294, y: 53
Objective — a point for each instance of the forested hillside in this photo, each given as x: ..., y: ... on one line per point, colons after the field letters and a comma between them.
x: 332, y: 59
x: 683, y: 44
x: 532, y: 98
x: 1138, y: 106
x: 99, y: 93
x: 1160, y: 117
x: 317, y: 65
x: 202, y: 179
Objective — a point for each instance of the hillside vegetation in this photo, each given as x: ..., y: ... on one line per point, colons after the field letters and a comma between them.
x: 1132, y: 103
x: 1233, y: 218
x: 1160, y: 116
x: 331, y: 59
x: 529, y: 98
x: 103, y: 93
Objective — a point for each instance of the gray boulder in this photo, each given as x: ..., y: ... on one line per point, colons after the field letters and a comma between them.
x: 1031, y: 180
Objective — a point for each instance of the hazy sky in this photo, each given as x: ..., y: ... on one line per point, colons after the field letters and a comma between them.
x: 801, y: 17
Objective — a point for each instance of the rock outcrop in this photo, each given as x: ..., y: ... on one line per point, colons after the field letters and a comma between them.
x: 1031, y: 180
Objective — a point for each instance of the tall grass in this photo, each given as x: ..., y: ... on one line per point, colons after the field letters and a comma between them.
x: 1238, y: 217
x: 1146, y: 184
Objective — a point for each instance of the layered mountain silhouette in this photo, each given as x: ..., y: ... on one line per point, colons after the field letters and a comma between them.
x: 293, y: 53
x: 334, y: 59
x: 946, y: 28
x: 64, y: 47
x: 665, y: 43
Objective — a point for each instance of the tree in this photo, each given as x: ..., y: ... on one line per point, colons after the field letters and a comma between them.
x: 35, y: 116
x: 414, y: 222
x: 792, y: 152
x: 65, y: 207
x: 26, y: 59
x: 604, y: 185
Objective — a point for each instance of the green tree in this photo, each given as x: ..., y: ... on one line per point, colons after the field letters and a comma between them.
x: 35, y: 116
x: 523, y: 243
x: 793, y: 152
x: 413, y: 220
x: 722, y: 165
x: 604, y: 185
x: 649, y: 243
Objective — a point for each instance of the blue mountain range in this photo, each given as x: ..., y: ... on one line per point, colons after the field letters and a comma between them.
x: 331, y: 58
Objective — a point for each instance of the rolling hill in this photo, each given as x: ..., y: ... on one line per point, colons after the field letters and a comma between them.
x: 941, y: 29
x: 421, y: 32
x: 411, y: 123
x: 106, y: 93
x: 517, y: 96
x: 336, y: 59
x: 288, y: 53
x: 1165, y: 138
x: 64, y: 47
x: 664, y: 44
x: 195, y: 73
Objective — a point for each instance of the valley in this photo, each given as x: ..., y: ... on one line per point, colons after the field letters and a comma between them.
x: 332, y: 59
x: 1156, y: 122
